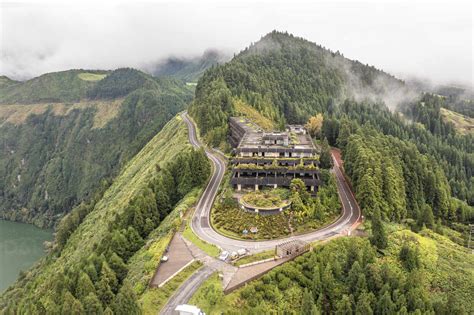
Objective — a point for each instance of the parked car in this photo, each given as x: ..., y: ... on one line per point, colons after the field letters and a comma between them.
x: 164, y: 258
x: 224, y: 255
x: 242, y: 252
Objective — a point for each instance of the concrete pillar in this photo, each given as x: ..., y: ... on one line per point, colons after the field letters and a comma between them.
x: 312, y: 188
x: 256, y: 187
x: 239, y: 187
x: 275, y: 185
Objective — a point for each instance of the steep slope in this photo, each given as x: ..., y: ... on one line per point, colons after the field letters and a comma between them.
x: 87, y: 267
x: 287, y: 79
x: 53, y: 155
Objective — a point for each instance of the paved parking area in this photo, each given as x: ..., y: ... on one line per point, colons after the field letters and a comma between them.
x: 179, y: 256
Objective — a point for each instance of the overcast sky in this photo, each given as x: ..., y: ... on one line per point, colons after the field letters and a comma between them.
x: 429, y: 39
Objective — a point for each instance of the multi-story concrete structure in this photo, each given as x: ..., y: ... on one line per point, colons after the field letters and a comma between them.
x: 271, y: 158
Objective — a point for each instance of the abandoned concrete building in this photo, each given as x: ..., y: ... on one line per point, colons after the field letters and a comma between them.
x: 271, y: 158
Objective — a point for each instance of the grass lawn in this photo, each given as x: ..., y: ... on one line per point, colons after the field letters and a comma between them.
x: 209, y: 249
x: 210, y: 297
x: 154, y: 299
x: 87, y: 76
x: 463, y: 124
x: 263, y: 199
x: 253, y: 115
x: 255, y: 257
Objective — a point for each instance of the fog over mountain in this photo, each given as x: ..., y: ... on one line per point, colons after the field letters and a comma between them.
x: 408, y: 38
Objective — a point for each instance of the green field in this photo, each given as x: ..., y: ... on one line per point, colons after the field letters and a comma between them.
x: 463, y: 124
x: 256, y: 257
x: 87, y: 76
x: 209, y: 249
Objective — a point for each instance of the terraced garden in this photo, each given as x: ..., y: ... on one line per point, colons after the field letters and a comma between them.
x: 264, y: 199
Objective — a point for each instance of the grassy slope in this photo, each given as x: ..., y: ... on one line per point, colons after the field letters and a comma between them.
x: 59, y: 151
x: 162, y: 148
x: 64, y: 86
x: 463, y: 124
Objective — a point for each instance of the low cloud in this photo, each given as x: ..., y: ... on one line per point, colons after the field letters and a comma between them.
x: 424, y: 38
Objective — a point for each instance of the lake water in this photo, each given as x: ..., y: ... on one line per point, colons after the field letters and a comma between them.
x: 21, y: 245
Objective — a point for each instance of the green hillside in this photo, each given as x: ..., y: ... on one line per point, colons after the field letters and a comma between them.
x: 65, y: 86
x: 287, y: 79
x: 6, y: 81
x: 55, y: 154
x: 87, y: 268
x: 418, y: 274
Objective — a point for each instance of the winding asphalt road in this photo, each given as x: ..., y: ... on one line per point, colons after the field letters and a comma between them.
x: 201, y: 219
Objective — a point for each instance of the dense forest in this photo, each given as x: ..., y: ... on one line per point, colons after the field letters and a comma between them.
x: 95, y: 242
x: 418, y: 274
x: 285, y: 78
x: 57, y: 154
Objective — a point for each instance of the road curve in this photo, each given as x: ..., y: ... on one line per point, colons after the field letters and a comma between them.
x: 200, y: 223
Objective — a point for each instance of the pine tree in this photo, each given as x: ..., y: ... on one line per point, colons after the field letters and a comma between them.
x: 77, y: 308
x: 363, y: 306
x: 426, y: 217
x: 409, y: 257
x: 379, y: 237
x: 307, y: 302
x: 84, y: 286
x: 92, y: 305
x: 125, y: 301
x: 107, y: 285
x: 385, y: 305
x: 325, y: 158
x: 316, y: 287
x: 68, y: 302
x: 344, y: 307
x: 118, y: 266
x: 353, y: 276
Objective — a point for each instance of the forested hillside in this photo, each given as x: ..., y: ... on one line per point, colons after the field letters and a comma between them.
x: 407, y: 163
x: 87, y: 271
x: 63, y: 135
x: 419, y: 274
x: 287, y: 79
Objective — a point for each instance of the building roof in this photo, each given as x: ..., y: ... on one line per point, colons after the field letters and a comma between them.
x: 253, y: 139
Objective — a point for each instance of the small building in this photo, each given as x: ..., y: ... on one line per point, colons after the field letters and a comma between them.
x: 291, y: 248
x: 185, y: 309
